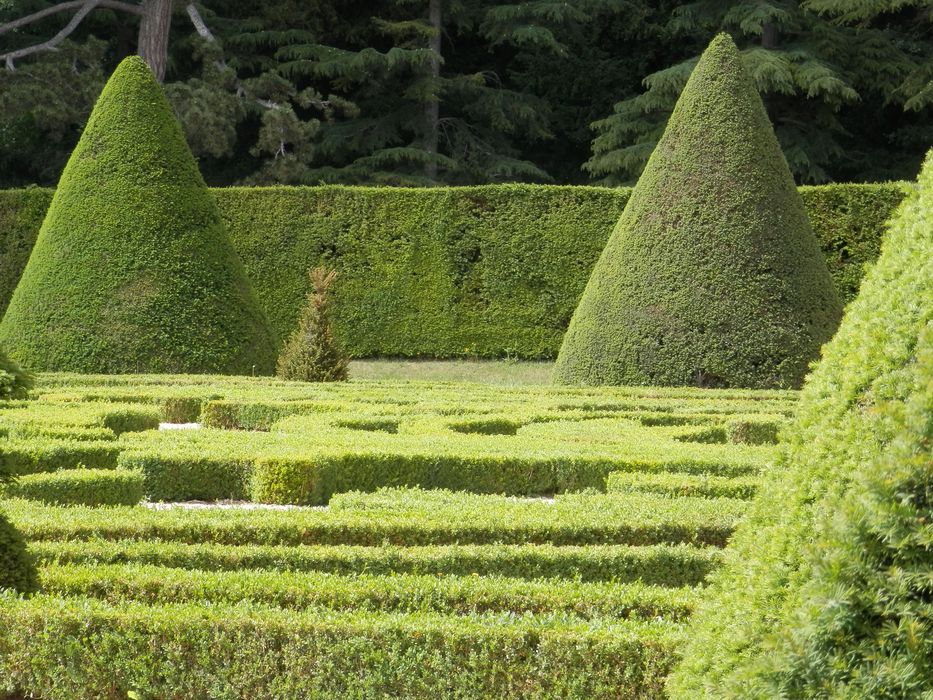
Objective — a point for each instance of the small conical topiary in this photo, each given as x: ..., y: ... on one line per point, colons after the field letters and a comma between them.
x: 713, y: 276
x: 312, y: 354
x: 15, y: 382
x: 826, y: 588
x: 133, y: 269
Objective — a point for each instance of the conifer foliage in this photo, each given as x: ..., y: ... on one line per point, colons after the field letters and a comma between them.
x: 712, y: 275
x: 312, y: 354
x: 133, y: 270
x: 826, y: 592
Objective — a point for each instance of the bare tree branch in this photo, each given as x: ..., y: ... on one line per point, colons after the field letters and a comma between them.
x: 200, y: 26
x: 65, y: 6
x: 50, y: 45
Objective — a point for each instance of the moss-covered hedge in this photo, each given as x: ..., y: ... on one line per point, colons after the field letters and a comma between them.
x: 487, y: 271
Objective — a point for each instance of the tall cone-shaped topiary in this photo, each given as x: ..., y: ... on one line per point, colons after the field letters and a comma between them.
x: 133, y: 269
x: 712, y: 276
x: 826, y: 587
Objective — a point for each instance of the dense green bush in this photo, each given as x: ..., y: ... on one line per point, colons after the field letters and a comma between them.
x: 826, y: 592
x: 713, y: 276
x: 659, y: 565
x: 500, y: 267
x: 132, y: 269
x: 15, y: 382
x: 89, y: 487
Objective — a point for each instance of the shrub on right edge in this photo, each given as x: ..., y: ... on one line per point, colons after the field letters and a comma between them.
x: 826, y: 590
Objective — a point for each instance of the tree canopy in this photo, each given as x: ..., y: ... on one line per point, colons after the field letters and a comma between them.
x: 418, y: 92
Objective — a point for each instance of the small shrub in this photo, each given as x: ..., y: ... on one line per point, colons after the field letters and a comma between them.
x: 312, y: 354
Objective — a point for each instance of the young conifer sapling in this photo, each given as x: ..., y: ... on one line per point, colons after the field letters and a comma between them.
x: 312, y: 353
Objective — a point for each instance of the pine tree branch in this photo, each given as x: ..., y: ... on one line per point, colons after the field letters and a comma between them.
x: 65, y: 6
x: 86, y: 7
x: 200, y: 26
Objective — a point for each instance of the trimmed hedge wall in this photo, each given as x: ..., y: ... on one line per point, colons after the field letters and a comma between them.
x: 474, y: 271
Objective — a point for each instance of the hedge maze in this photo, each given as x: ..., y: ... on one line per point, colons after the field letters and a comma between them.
x: 206, y: 536
x: 433, y: 538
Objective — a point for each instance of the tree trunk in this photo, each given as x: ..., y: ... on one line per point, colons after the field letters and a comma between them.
x: 769, y: 35
x: 153, y: 35
x: 432, y: 109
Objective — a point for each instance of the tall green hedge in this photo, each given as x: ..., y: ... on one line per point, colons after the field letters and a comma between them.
x: 487, y: 271
x: 826, y: 592
x: 132, y: 269
x: 713, y: 276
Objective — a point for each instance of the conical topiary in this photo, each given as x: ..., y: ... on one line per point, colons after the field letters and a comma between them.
x: 712, y: 276
x: 133, y: 269
x: 826, y: 588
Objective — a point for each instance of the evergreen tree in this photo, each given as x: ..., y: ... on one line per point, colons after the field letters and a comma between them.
x: 312, y: 354
x: 802, y: 66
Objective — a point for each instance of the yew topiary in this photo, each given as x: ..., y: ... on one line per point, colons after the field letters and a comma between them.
x: 712, y: 276
x: 133, y: 269
x: 827, y: 587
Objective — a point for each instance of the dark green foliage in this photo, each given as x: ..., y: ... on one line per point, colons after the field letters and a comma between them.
x: 826, y: 592
x: 843, y: 96
x: 713, y: 276
x: 90, y: 487
x: 345, y: 90
x: 17, y: 569
x: 501, y: 267
x: 15, y: 382
x: 132, y: 269
x: 311, y: 353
